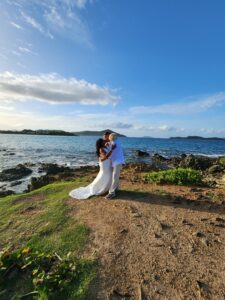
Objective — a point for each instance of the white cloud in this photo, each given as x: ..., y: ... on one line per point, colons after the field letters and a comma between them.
x: 26, y: 50
x: 115, y: 125
x: 52, y: 88
x: 53, y: 18
x: 67, y: 22
x: 17, y: 26
x: 182, y: 107
x: 159, y: 128
x: 32, y: 22
x: 7, y: 108
x: 16, y: 53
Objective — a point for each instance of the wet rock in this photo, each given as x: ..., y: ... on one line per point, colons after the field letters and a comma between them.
x: 9, y: 154
x: 159, y: 158
x: 16, y: 173
x: 16, y: 183
x: 6, y: 193
x: 52, y: 169
x: 3, y: 186
x: 142, y: 153
x: 29, y: 164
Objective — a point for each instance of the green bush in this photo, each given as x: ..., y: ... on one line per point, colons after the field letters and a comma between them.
x: 178, y: 176
x: 222, y: 161
x: 28, y: 272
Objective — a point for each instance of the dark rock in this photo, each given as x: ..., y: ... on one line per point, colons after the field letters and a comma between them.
x: 6, y: 193
x: 37, y: 182
x: 197, y: 162
x: 215, y: 169
x: 159, y: 158
x: 52, y: 169
x: 16, y: 183
x: 142, y: 153
x: 29, y: 164
x: 11, y: 153
x: 16, y: 173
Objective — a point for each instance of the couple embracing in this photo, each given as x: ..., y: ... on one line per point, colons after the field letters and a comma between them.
x: 111, y: 159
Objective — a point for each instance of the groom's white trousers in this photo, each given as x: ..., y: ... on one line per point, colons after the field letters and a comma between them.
x: 115, y: 179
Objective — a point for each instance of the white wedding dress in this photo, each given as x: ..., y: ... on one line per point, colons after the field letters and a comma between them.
x: 99, y: 186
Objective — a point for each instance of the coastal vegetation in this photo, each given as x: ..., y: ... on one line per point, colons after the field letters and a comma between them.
x: 41, y: 243
x: 222, y: 161
x: 179, y: 176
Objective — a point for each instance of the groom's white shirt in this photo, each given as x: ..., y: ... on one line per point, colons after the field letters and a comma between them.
x: 117, y: 156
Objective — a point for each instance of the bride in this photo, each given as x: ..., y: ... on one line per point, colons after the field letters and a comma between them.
x: 102, y: 182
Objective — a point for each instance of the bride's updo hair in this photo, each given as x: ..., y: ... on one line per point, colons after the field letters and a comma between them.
x: 100, y: 143
x: 112, y: 136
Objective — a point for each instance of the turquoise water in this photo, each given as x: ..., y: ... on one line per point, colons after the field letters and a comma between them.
x: 78, y: 151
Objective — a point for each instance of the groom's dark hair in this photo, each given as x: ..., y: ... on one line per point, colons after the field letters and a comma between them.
x: 107, y: 133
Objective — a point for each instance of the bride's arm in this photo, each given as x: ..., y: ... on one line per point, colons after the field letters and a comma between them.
x: 104, y: 154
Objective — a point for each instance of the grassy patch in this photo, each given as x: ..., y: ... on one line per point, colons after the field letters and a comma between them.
x: 41, y: 219
x: 178, y: 176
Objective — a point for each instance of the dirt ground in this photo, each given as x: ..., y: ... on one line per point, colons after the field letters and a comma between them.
x: 156, y: 242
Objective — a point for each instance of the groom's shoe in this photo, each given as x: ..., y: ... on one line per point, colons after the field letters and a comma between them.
x: 110, y: 196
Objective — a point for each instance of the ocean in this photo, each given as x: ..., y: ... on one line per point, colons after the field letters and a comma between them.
x: 75, y: 151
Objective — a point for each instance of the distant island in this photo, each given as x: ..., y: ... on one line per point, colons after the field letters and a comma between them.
x: 195, y: 137
x: 57, y: 132
x: 39, y: 132
x: 96, y: 133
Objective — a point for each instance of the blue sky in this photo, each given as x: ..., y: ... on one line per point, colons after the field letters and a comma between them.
x: 154, y: 68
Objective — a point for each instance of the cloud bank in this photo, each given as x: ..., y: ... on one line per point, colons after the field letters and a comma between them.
x: 54, y: 89
x: 182, y: 107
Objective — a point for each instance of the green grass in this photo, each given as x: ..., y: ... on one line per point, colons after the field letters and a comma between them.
x: 222, y: 161
x: 178, y: 176
x: 41, y: 220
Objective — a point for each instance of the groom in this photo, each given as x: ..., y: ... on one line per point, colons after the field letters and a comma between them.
x: 117, y: 159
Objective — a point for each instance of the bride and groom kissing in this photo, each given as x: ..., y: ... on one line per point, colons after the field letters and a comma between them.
x: 111, y: 159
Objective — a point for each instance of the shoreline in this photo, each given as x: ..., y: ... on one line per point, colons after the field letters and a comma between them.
x: 26, y: 177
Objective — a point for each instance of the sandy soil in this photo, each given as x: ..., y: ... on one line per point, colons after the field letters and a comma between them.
x: 156, y: 242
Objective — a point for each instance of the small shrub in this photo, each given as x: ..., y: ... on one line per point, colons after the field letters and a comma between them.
x: 178, y: 176
x: 222, y: 161
x: 44, y: 276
